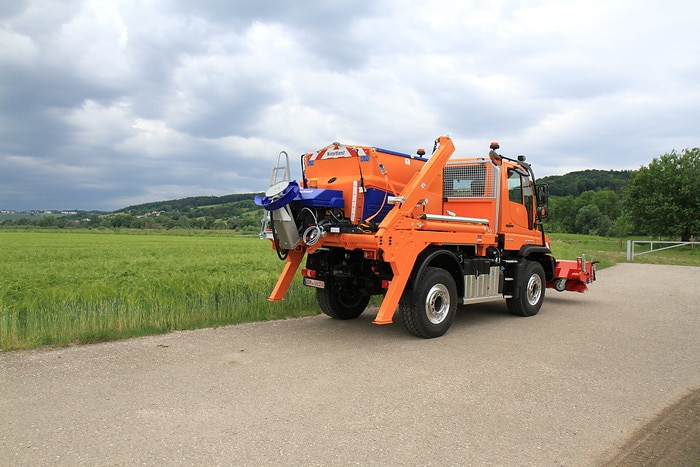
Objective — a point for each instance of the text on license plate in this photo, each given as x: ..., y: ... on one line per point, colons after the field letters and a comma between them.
x: 314, y: 283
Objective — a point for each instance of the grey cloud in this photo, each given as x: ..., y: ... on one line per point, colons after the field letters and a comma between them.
x: 108, y: 104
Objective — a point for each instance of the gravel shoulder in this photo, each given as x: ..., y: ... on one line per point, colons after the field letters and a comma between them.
x: 594, y: 379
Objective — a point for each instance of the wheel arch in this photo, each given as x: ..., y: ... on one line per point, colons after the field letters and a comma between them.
x: 439, y: 258
x: 542, y: 255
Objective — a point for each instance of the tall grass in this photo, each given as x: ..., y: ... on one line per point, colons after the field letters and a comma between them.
x: 58, y: 288
x: 63, y: 287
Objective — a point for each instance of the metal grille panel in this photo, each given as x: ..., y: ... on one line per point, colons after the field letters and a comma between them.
x: 474, y: 180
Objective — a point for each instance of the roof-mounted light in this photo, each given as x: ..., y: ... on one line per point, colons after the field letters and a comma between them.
x: 495, y: 157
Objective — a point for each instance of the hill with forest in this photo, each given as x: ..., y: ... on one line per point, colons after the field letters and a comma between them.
x: 576, y: 183
x: 235, y: 212
x: 187, y: 204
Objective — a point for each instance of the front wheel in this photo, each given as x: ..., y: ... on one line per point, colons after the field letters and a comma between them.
x: 341, y: 302
x: 431, y: 308
x: 532, y: 285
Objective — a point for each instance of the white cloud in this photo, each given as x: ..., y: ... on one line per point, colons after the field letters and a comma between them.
x: 94, y: 45
x: 98, y: 125
x: 153, y: 138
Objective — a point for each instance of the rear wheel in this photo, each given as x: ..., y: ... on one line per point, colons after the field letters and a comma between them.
x: 340, y: 301
x: 429, y: 311
x: 532, y: 285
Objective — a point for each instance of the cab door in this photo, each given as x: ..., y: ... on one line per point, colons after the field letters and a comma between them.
x: 519, y: 216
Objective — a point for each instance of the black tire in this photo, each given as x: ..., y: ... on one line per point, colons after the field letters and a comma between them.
x: 532, y: 286
x: 430, y: 309
x: 341, y: 302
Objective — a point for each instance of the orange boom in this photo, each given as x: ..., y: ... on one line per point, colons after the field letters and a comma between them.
x: 426, y: 233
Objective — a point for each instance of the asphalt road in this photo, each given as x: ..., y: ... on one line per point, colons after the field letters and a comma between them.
x: 574, y: 385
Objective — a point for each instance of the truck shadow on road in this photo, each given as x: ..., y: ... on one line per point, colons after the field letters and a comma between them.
x: 468, y: 317
x: 482, y: 312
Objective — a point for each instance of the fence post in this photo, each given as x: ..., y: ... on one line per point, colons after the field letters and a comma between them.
x: 629, y: 250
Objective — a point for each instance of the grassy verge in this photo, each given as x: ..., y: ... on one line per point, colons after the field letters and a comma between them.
x: 610, y: 251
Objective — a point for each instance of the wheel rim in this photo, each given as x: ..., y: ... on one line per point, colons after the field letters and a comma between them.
x: 349, y: 298
x: 534, y: 289
x: 437, y: 304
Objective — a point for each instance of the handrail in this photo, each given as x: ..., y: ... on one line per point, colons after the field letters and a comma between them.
x: 466, y: 220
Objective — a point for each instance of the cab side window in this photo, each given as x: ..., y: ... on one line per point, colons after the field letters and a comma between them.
x: 520, y: 191
x: 515, y: 190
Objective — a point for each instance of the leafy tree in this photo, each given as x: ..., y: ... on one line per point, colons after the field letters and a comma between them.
x: 565, y: 212
x: 591, y: 221
x: 47, y: 221
x: 562, y: 214
x: 607, y: 201
x: 624, y: 225
x: 139, y: 223
x: 122, y: 220
x: 664, y: 197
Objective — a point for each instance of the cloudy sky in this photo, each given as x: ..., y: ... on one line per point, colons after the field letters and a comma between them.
x: 108, y: 103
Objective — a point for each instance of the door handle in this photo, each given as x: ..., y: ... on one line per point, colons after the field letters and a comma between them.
x: 510, y: 225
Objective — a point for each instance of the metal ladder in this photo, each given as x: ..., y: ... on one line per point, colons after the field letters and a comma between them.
x: 509, y: 277
x: 274, y: 176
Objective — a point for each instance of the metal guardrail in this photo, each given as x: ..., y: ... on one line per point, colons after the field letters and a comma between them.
x: 631, y: 244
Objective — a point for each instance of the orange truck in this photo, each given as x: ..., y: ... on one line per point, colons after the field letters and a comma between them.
x: 426, y: 233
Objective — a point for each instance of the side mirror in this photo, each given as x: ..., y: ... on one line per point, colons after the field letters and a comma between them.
x: 542, y: 191
x: 542, y: 194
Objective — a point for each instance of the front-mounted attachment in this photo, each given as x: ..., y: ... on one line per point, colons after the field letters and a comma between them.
x: 573, y: 276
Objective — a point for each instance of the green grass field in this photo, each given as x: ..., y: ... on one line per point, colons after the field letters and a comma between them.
x: 63, y: 287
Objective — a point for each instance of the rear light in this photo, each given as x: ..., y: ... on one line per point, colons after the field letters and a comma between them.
x: 385, y: 284
x: 308, y: 272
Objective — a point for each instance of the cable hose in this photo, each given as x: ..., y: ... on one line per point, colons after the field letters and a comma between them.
x: 312, y: 235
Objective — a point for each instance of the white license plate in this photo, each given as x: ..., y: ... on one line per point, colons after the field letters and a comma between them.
x: 314, y: 283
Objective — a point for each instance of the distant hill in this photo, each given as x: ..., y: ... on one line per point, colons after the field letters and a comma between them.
x: 235, y: 212
x: 186, y: 204
x: 575, y: 183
